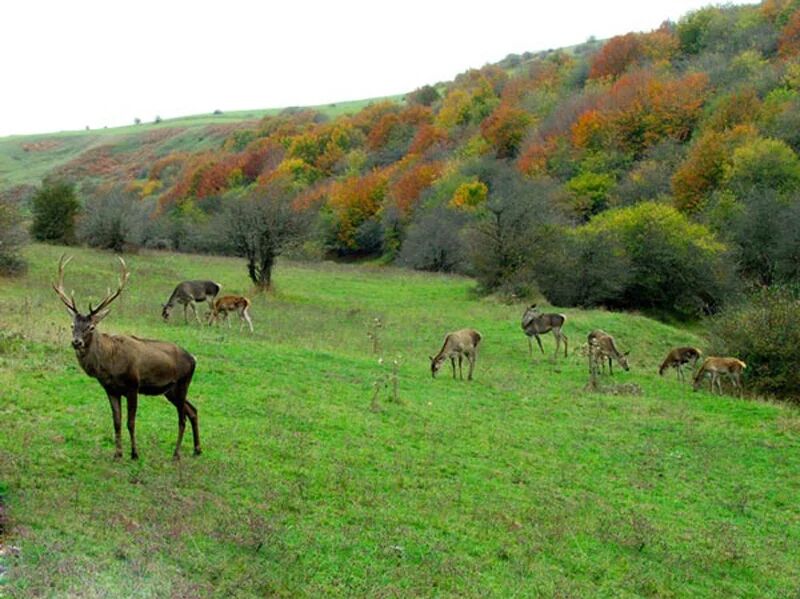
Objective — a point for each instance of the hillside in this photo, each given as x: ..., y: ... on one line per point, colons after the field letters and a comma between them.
x: 27, y: 159
x: 534, y: 174
x: 517, y: 484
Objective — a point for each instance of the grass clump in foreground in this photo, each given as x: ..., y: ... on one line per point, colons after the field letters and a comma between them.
x: 517, y: 484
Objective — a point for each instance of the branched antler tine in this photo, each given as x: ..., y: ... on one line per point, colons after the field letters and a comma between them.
x: 69, y: 301
x: 110, y: 297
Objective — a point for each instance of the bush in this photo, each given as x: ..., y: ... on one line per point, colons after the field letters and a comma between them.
x: 54, y: 208
x: 435, y: 242
x: 764, y: 332
x: 646, y: 256
x: 115, y: 222
x: 12, y: 236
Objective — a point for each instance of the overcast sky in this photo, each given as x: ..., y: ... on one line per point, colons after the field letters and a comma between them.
x: 71, y: 63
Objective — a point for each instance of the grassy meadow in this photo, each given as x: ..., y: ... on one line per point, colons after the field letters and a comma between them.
x: 518, y: 484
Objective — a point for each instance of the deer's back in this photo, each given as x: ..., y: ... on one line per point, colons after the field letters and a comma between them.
x: 462, y: 340
x: 151, y: 364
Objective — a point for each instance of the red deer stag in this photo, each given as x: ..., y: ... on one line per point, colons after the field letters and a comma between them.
x: 459, y: 344
x: 189, y: 292
x: 231, y: 303
x: 678, y: 357
x: 534, y: 323
x: 127, y: 366
x: 715, y: 368
x: 602, y: 346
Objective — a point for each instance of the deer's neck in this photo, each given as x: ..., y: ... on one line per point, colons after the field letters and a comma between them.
x: 95, y: 357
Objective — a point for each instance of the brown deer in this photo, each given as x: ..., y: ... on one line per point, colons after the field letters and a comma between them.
x: 715, y: 368
x: 231, y: 303
x: 602, y: 346
x: 459, y: 344
x: 127, y: 365
x: 534, y: 323
x: 678, y: 357
x: 189, y: 292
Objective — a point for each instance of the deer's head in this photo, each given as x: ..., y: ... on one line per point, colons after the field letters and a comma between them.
x: 531, y: 313
x: 623, y: 361
x: 436, y: 364
x: 83, y: 325
x: 165, y: 310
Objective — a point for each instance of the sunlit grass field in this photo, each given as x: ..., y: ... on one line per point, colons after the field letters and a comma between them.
x: 518, y: 484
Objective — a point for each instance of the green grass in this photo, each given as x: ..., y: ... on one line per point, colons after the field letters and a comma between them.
x: 518, y: 484
x: 26, y: 159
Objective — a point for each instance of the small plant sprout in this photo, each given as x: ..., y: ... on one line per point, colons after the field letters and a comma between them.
x: 373, y: 333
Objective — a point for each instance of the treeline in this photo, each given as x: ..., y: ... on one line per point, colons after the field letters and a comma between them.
x: 655, y: 171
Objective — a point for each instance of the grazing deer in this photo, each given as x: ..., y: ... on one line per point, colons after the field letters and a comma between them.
x: 460, y: 344
x: 679, y: 356
x: 602, y: 345
x: 534, y: 323
x: 231, y: 303
x: 715, y: 368
x: 127, y: 365
x: 189, y: 292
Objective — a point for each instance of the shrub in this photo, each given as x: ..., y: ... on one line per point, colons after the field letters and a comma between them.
x: 54, y: 208
x: 764, y: 332
x: 646, y: 256
x: 115, y: 222
x: 12, y: 236
x: 435, y: 242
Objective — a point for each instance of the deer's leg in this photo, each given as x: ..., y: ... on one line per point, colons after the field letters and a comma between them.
x: 196, y: 317
x: 539, y: 341
x: 610, y: 367
x: 453, y: 364
x: 177, y: 397
x: 116, y: 413
x: 530, y: 347
x: 564, y: 337
x: 472, y: 358
x: 185, y: 315
x: 133, y: 401
x: 460, y: 371
x: 247, y: 318
x: 191, y: 412
x: 680, y: 372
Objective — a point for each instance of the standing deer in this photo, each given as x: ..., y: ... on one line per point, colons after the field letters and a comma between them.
x: 602, y: 346
x: 679, y: 356
x: 189, y: 292
x: 459, y: 344
x: 534, y: 323
x: 231, y: 303
x: 715, y: 368
x: 127, y: 365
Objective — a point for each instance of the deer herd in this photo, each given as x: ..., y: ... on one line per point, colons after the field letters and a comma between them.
x: 129, y: 366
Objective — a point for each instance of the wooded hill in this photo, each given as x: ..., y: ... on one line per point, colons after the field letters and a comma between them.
x: 517, y: 172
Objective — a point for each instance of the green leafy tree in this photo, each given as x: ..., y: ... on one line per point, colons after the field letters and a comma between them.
x: 54, y: 209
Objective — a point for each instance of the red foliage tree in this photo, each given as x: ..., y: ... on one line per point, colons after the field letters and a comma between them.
x: 505, y: 129
x: 616, y: 56
x: 407, y: 188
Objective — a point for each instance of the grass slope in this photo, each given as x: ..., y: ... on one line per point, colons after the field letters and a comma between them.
x: 519, y: 484
x: 26, y: 159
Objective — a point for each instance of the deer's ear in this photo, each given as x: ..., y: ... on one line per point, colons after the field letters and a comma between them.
x: 626, y: 353
x: 431, y: 358
x: 100, y: 315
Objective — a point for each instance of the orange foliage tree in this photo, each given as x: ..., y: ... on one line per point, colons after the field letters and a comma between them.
x: 505, y: 129
x: 354, y: 200
x: 407, y: 187
x: 616, y: 55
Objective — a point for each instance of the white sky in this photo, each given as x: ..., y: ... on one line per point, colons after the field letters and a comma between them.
x: 71, y: 63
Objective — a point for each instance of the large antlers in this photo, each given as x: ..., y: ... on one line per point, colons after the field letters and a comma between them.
x: 69, y: 301
x: 110, y: 297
